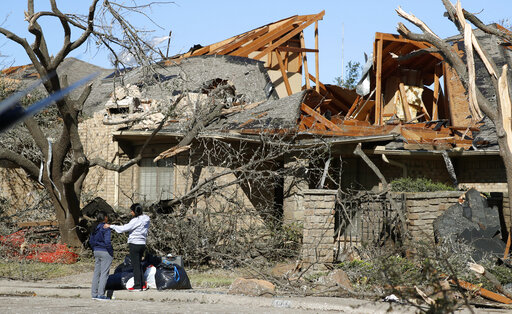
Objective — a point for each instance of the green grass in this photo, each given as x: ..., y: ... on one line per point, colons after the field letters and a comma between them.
x: 213, y: 278
x: 30, y: 270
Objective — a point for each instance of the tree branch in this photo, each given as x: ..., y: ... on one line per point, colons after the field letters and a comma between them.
x: 451, y: 57
x: 39, y: 46
x: 30, y: 168
x: 67, y: 45
x: 120, y: 168
x: 23, y: 42
x: 38, y: 135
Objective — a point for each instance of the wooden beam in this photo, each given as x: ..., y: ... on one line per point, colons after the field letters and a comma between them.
x: 328, y: 94
x: 292, y: 33
x: 483, y: 292
x: 405, y: 103
x: 446, y: 100
x: 317, y: 61
x: 507, y: 247
x: 296, y: 49
x: 240, y: 42
x: 283, y: 73
x: 354, y: 106
x: 244, y: 51
x: 305, y: 61
x: 38, y: 223
x: 378, y: 83
x: 435, y: 109
x: 321, y: 119
x: 399, y: 38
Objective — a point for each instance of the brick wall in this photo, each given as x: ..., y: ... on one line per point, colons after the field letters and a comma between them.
x: 98, y: 141
x: 423, y: 208
x: 484, y: 173
x: 318, y: 236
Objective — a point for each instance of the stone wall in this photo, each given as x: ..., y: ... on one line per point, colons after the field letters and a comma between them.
x: 294, y: 186
x: 318, y: 236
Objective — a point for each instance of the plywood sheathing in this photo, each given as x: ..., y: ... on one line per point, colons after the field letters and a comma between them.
x: 457, y: 97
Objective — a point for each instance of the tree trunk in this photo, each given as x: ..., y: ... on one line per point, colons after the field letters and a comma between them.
x: 67, y: 218
x: 506, y: 156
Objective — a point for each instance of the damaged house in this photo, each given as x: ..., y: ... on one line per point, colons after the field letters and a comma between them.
x: 410, y: 114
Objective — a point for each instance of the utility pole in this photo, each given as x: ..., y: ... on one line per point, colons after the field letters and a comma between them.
x: 342, y: 50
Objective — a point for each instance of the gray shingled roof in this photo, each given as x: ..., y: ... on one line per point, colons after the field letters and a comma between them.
x: 75, y: 70
x: 273, y: 114
x: 248, y: 76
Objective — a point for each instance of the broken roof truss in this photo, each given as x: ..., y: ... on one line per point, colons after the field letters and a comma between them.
x: 414, y: 93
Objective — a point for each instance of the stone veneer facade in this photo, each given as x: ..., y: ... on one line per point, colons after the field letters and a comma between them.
x: 317, y: 247
x: 422, y: 209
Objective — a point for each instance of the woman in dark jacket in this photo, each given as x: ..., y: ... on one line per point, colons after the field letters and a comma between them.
x: 103, y: 256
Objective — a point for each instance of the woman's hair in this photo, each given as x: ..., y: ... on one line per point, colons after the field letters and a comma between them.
x: 100, y: 217
x: 136, y: 209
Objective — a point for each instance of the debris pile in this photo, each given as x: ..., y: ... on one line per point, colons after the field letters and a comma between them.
x: 127, y: 106
x: 474, y: 222
x: 17, y: 246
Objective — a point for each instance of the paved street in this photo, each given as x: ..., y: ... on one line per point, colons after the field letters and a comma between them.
x: 72, y: 295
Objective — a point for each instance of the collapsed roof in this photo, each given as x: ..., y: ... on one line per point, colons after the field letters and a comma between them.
x: 415, y: 96
x: 411, y: 93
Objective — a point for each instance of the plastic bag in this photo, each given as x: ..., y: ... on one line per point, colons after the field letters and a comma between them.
x: 119, y: 281
x: 171, y: 277
x: 149, y: 276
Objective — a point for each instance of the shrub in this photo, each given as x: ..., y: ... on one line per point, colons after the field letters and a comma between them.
x: 419, y: 185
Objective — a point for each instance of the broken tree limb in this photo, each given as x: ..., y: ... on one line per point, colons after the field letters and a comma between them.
x: 120, y: 168
x: 470, y: 60
x: 450, y: 168
x: 424, y: 296
x: 416, y: 21
x: 506, y: 105
x: 483, y: 292
x: 480, y: 270
x: 324, y: 174
x: 197, y: 126
x: 359, y: 152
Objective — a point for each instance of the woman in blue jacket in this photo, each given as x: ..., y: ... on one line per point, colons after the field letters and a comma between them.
x: 103, y: 255
x: 138, y: 229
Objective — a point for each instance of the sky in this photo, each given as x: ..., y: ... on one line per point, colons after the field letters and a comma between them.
x: 346, y: 32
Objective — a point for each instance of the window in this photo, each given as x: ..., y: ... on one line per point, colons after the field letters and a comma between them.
x: 156, y: 179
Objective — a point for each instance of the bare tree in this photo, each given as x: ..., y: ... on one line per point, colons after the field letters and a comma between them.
x: 69, y: 164
x: 465, y: 69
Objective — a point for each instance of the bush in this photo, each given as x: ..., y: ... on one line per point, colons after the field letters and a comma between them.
x: 419, y: 185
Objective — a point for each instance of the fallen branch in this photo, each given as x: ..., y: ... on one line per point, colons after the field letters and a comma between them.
x: 359, y: 152
x: 480, y: 270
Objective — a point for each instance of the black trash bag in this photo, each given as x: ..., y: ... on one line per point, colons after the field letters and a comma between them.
x: 125, y: 266
x: 171, y: 276
x: 117, y: 281
x: 150, y: 259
